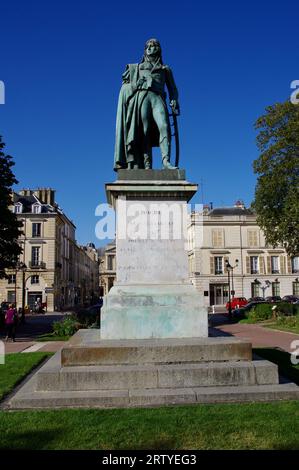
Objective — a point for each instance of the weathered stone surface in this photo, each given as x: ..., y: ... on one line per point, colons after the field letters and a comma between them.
x: 151, y: 175
x: 151, y: 373
x: 157, y: 351
x: 144, y: 312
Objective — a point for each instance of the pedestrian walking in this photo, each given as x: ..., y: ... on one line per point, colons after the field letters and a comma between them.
x: 11, y: 319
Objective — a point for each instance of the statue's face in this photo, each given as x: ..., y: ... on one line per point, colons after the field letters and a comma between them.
x: 152, y: 49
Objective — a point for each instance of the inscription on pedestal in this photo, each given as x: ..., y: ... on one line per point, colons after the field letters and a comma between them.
x: 151, y: 243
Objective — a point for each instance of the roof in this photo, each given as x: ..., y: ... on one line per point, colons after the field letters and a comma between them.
x: 27, y: 202
x: 218, y: 211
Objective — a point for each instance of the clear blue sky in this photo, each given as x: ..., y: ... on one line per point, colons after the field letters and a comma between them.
x: 62, y: 61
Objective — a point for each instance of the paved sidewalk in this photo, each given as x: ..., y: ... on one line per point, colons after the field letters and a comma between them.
x: 257, y: 335
x: 26, y: 334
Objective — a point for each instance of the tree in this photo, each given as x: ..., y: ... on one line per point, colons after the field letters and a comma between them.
x: 276, y: 200
x: 9, y: 225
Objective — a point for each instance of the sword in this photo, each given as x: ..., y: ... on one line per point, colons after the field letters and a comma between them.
x: 174, y: 114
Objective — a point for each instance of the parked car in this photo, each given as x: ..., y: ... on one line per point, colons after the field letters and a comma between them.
x: 256, y: 299
x: 290, y: 299
x: 273, y: 299
x: 236, y: 302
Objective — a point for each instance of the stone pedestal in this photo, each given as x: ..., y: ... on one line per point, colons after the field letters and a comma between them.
x: 153, y: 296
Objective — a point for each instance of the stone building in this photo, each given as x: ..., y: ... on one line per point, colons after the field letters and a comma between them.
x: 107, y: 266
x: 227, y: 234
x: 57, y: 271
x: 232, y: 234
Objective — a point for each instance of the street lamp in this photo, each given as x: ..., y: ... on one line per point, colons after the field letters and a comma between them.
x: 267, y: 284
x: 230, y: 269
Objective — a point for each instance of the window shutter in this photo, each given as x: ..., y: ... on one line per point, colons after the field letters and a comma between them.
x: 282, y: 265
x: 248, y: 264
x: 217, y: 238
x: 289, y: 261
x: 224, y: 263
x: 269, y: 265
x: 262, y: 265
x: 252, y: 238
x: 212, y: 267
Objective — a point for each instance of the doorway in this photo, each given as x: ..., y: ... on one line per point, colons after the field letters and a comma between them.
x: 32, y: 298
x: 218, y: 294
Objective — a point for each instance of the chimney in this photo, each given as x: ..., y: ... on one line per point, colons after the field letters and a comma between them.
x: 240, y: 204
x: 45, y: 195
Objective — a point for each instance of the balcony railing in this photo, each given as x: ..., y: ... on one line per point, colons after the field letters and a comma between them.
x: 37, y: 265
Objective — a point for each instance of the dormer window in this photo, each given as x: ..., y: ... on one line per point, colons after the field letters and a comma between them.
x: 18, y: 208
x: 36, y: 208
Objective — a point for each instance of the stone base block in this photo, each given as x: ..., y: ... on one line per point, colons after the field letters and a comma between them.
x: 132, y: 373
x: 92, y: 350
x: 153, y: 311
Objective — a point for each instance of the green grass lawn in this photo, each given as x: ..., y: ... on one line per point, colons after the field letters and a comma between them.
x: 289, y: 329
x: 16, y: 367
x: 229, y: 426
x: 271, y: 324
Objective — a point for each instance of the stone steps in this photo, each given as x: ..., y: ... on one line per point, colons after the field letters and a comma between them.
x: 152, y: 397
x: 90, y: 372
x: 162, y: 376
x: 168, y: 351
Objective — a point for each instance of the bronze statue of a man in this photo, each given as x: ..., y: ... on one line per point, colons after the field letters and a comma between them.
x: 142, y: 116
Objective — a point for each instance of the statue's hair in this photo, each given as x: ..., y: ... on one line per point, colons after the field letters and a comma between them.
x: 157, y: 43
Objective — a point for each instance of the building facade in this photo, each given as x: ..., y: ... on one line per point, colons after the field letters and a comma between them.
x: 231, y: 234
x: 57, y: 271
x: 220, y: 235
x: 107, y: 268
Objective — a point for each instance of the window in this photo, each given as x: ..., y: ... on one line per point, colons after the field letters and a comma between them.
x: 218, y: 260
x: 35, y: 255
x: 35, y: 279
x: 36, y: 230
x: 254, y: 265
x: 11, y: 297
x: 252, y: 236
x: 275, y: 289
x: 11, y: 279
x: 275, y: 265
x: 18, y: 208
x: 36, y: 208
x: 296, y: 288
x: 217, y: 238
x: 110, y: 263
x: 295, y: 264
x: 255, y: 289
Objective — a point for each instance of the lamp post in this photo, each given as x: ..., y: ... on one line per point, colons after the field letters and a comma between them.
x: 230, y: 269
x: 267, y: 284
x: 23, y: 268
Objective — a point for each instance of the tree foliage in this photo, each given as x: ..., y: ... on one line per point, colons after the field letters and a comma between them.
x: 9, y: 225
x: 277, y: 191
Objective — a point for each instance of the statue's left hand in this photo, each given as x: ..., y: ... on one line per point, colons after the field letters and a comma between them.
x: 175, y: 107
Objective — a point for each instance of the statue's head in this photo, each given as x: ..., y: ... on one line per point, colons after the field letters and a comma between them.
x: 152, y: 49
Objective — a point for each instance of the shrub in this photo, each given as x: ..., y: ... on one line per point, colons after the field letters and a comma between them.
x: 289, y: 321
x: 285, y: 308
x: 88, y: 317
x: 67, y: 327
x: 260, y: 312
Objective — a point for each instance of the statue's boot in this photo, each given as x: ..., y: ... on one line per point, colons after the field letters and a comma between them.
x: 165, y: 150
x: 147, y: 162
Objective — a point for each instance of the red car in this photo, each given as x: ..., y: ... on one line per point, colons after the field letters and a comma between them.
x: 236, y: 302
